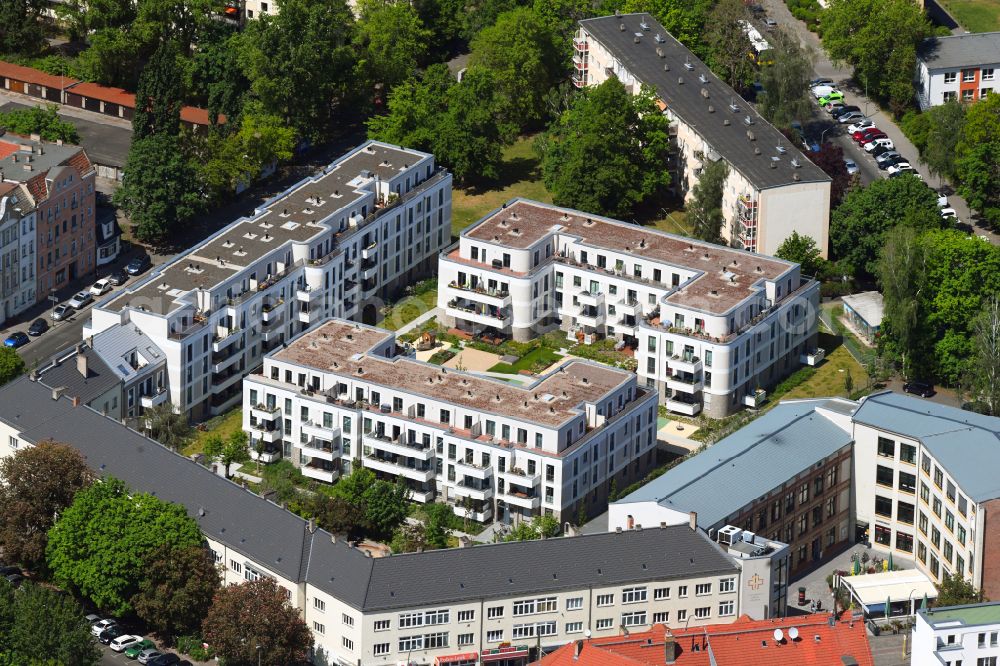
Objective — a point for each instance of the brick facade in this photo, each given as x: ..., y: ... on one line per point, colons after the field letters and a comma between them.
x: 991, y: 547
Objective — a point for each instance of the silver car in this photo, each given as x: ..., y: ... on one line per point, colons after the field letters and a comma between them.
x: 149, y: 655
x: 62, y: 311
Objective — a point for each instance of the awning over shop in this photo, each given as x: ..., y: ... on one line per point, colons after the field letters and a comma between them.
x: 502, y: 653
x: 457, y: 659
x: 872, y: 591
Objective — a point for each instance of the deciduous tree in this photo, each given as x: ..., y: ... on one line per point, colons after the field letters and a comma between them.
x: 728, y: 43
x: 985, y: 366
x: 338, y: 516
x: 160, y: 95
x: 802, y: 250
x: 11, y: 365
x: 49, y: 627
x: 539, y: 527
x: 954, y: 590
x: 37, y: 484
x: 20, y: 26
x: 168, y: 427
x: 902, y: 272
x: 386, y: 505
x: 607, y: 152
x: 415, y: 108
x: 946, y: 124
x: 438, y: 518
x: 786, y: 81
x: 392, y: 41
x: 471, y: 134
x: 830, y: 158
x: 235, y: 450
x: 177, y: 589
x: 256, y: 613
x: 99, y: 544
x: 42, y: 121
x: 705, y: 206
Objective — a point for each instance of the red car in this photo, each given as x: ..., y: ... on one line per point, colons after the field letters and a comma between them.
x: 861, y: 136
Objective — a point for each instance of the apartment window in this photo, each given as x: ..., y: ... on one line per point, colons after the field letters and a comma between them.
x: 904, y: 542
x: 605, y: 600
x: 968, y: 75
x: 347, y: 619
x: 950, y: 492
x: 235, y: 566
x: 727, y: 585
x: 423, y: 618
x: 531, y: 606
x: 605, y: 623
x: 494, y: 612
x: 908, y: 453
x: 886, y: 448
x: 936, y: 506
x: 904, y: 512
x: 574, y: 627
x: 347, y: 642
x: 466, y: 639
x: 907, y: 482
x: 925, y: 493
x: 632, y: 595
x: 319, y: 604
x: 935, y: 537
x: 987, y: 74
x: 661, y: 618
x: 883, y: 506
x: 727, y: 608
x: 661, y: 593
x: 382, y: 625
x: 703, y: 612
x: 950, y: 77
x: 380, y: 649
x: 947, y: 551
x: 494, y: 636
x: 938, y: 477
x: 986, y: 661
x: 574, y: 603
x: 883, y: 535
x: 701, y: 589
x: 922, y: 552
x: 466, y: 615
x: 884, y: 476
x: 682, y: 591
x: 960, y: 535
x: 319, y: 628
x: 636, y: 619
x: 682, y: 615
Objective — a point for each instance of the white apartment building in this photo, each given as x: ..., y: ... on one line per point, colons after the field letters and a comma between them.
x: 957, y: 636
x: 709, y: 325
x: 772, y: 188
x: 343, y: 392
x: 334, y: 244
x: 491, y: 604
x: 17, y: 250
x: 962, y: 68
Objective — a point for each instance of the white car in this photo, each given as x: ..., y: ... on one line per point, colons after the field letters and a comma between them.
x: 942, y: 201
x: 101, y: 287
x: 901, y: 166
x: 949, y: 213
x: 821, y: 91
x: 872, y: 145
x: 100, y: 626
x: 80, y: 299
x: 122, y: 642
x: 860, y: 125
x: 851, y: 165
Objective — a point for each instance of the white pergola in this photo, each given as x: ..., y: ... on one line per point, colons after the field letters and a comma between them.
x: 902, y: 590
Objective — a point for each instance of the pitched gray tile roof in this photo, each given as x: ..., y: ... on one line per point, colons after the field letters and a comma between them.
x: 749, y: 463
x: 966, y: 444
x: 956, y: 51
x: 62, y: 371
x: 687, y: 102
x: 115, y: 342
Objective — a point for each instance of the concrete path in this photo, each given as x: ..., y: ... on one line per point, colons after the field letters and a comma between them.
x: 841, y: 74
x: 406, y: 328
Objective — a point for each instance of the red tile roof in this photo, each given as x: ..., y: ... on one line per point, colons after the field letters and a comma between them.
x: 7, y: 149
x: 104, y: 93
x: 745, y: 642
x: 196, y: 116
x: 29, y: 75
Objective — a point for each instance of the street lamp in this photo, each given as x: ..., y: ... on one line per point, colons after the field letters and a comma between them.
x: 260, y: 652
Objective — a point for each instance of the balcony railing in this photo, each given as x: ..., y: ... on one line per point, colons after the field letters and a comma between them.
x: 493, y: 293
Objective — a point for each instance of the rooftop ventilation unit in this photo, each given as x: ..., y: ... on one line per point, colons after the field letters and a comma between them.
x: 750, y: 136
x: 733, y: 106
x: 795, y: 164
x: 689, y: 66
x: 659, y: 52
x: 658, y: 38
x: 680, y: 80
x: 704, y: 93
x: 621, y: 26
x: 703, y: 78
x: 644, y: 25
x: 637, y: 38
x: 781, y: 149
x: 748, y: 119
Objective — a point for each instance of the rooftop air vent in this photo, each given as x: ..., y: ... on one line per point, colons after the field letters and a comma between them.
x: 644, y: 25
x: 638, y: 38
x: 660, y: 53
x: 733, y: 106
x: 666, y: 67
x: 658, y: 38
x: 711, y: 109
x: 781, y: 149
x: 703, y: 78
x: 748, y: 119
x: 680, y: 80
x: 704, y: 93
x: 725, y: 122
x: 621, y: 26
x: 756, y: 150
x: 688, y: 65
x: 751, y: 136
x: 795, y: 163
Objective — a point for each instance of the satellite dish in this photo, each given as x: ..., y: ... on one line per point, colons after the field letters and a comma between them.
x: 587, y: 633
x: 793, y: 633
x: 778, y: 636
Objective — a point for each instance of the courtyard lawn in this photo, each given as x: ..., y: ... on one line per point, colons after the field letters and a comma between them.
x: 672, y: 222
x: 520, y: 176
x: 975, y: 15
x: 408, y: 308
x: 537, y: 358
x: 829, y: 378
x: 223, y: 425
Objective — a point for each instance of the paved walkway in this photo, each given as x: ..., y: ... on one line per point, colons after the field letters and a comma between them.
x: 841, y: 74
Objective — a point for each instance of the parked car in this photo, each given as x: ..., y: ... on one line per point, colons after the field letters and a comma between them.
x: 861, y: 136
x: 832, y: 96
x: 149, y: 655
x: 101, y: 625
x: 871, y: 137
x: 878, y: 151
x: 110, y: 634
x: 62, y: 311
x: 118, y: 278
x: 770, y: 23
x: 132, y: 651
x: 949, y: 212
x: 898, y: 166
x: 863, y: 123
x: 851, y: 165
x: 122, y: 642
x: 821, y: 81
x: 10, y: 569
x: 92, y: 619
x: 832, y: 107
x: 38, y: 327
x: 169, y: 659
x: 15, y: 579
x: 101, y: 287
x: 138, y: 265
x: 886, y: 160
x: 905, y: 171
x: 923, y: 389
x: 80, y: 300
x: 850, y: 117
x: 16, y: 339
x: 821, y: 91
x: 877, y: 141
x: 837, y: 113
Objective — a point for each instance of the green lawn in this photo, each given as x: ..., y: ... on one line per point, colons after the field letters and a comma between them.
x: 975, y: 15
x: 829, y: 378
x: 224, y: 425
x: 538, y: 358
x: 520, y: 176
x: 408, y: 308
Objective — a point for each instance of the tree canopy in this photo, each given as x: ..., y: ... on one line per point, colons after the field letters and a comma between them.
x: 177, y: 589
x: 802, y: 250
x: 42, y: 121
x: 607, y: 153
x: 99, y: 545
x: 44, y: 626
x: 36, y: 484
x: 539, y: 527
x: 786, y: 81
x: 11, y: 365
x: 705, y: 206
x: 391, y: 41
x: 954, y: 590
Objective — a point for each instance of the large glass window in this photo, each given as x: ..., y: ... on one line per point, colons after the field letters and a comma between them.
x: 883, y: 506
x: 904, y: 512
x: 907, y: 482
x: 883, y: 535
x: 884, y: 476
x: 908, y: 453
x: 904, y: 542
x: 886, y: 448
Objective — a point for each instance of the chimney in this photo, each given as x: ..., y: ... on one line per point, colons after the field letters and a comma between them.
x: 76, y: 401
x: 669, y: 648
x: 577, y: 650
x: 57, y: 392
x: 81, y: 364
x: 693, y: 520
x: 312, y: 526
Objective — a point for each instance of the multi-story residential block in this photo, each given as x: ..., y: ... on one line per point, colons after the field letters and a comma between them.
x: 787, y: 475
x: 925, y: 486
x: 957, y: 68
x: 59, y: 182
x: 499, y: 602
x: 334, y: 244
x: 709, y: 325
x: 17, y: 250
x: 343, y: 392
x: 772, y: 188
x: 957, y: 635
